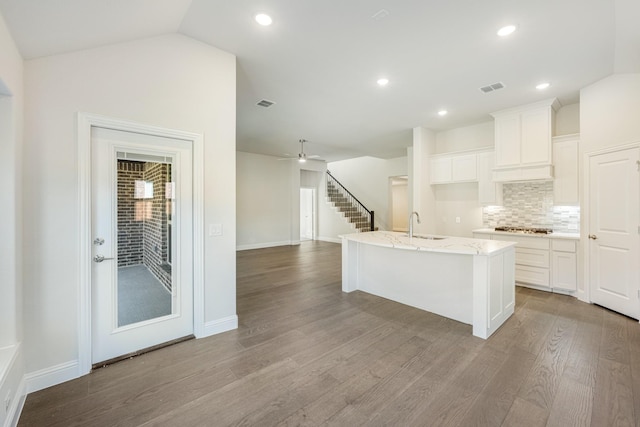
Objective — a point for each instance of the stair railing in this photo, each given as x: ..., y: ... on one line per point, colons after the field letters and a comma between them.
x: 354, y: 201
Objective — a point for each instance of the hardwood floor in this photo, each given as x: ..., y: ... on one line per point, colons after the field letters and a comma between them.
x: 307, y: 354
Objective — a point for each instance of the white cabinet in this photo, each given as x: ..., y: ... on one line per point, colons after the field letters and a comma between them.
x: 565, y: 161
x: 541, y: 262
x: 464, y: 168
x: 452, y: 168
x: 564, y: 265
x: 489, y: 192
x: 532, y: 259
x: 440, y: 170
x: 523, y: 149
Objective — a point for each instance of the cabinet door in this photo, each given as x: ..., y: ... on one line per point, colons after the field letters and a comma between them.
x: 489, y: 192
x: 563, y: 271
x: 565, y: 162
x: 464, y: 168
x: 440, y: 170
x: 536, y: 137
x: 507, y: 140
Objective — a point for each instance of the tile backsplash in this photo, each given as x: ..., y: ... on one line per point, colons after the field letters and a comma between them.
x: 530, y: 204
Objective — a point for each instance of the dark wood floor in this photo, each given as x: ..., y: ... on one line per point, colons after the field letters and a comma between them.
x: 307, y: 354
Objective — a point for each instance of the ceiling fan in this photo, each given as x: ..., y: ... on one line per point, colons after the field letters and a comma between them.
x: 302, y: 156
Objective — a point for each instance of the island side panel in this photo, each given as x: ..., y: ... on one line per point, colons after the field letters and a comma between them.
x: 494, y: 291
x: 349, y: 265
x: 441, y: 283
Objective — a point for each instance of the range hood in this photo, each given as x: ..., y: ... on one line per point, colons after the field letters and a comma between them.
x: 522, y: 174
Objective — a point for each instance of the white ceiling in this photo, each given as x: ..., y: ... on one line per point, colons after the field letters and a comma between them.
x: 319, y: 61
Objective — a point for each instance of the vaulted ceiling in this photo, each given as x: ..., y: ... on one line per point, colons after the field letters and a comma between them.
x: 319, y: 61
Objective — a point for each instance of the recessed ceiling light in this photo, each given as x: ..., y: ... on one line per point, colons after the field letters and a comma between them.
x: 543, y: 86
x: 442, y: 113
x: 263, y: 19
x: 505, y: 31
x: 383, y: 81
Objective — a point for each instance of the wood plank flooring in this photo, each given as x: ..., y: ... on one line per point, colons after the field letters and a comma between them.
x: 306, y: 354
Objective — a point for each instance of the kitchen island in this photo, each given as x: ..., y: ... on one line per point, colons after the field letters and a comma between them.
x: 468, y: 280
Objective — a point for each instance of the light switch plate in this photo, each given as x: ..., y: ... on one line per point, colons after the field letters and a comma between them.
x: 215, y: 229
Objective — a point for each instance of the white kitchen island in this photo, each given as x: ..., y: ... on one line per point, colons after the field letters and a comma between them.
x: 468, y: 280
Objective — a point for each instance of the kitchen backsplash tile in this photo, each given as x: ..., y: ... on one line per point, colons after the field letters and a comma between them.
x: 530, y: 204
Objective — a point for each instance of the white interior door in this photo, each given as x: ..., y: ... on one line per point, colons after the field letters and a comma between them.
x: 142, y: 232
x: 614, y: 242
x: 307, y: 196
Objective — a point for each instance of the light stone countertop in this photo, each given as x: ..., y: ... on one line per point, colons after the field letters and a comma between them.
x: 554, y: 235
x: 453, y: 245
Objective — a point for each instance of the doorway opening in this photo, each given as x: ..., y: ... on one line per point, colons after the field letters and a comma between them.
x: 307, y: 213
x: 399, y: 202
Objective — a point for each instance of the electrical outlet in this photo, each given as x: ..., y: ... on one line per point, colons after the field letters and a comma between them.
x: 457, y: 220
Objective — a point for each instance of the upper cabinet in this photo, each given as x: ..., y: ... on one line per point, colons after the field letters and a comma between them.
x: 565, y: 161
x: 523, y: 149
x: 489, y: 192
x: 452, y: 168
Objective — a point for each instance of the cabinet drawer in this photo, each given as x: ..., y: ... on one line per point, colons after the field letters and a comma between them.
x: 532, y: 257
x: 532, y: 275
x: 524, y: 242
x: 563, y: 245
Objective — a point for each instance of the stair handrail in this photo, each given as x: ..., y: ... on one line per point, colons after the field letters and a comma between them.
x: 369, y: 212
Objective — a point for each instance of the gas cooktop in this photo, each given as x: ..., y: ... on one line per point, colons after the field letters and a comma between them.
x: 525, y: 230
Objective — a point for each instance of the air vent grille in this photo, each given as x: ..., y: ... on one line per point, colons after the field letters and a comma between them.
x: 492, y: 87
x: 265, y: 103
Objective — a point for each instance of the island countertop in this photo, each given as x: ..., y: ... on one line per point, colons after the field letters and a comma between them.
x: 453, y: 245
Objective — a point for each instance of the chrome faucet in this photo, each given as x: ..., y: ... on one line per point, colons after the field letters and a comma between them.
x: 411, y: 222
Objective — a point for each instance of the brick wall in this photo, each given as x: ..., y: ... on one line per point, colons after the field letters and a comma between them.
x: 155, y: 227
x: 129, y: 227
x: 142, y: 223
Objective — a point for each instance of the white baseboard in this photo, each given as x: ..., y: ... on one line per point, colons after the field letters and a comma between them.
x: 12, y: 384
x: 51, y: 376
x: 18, y: 399
x: 219, y: 325
x: 265, y: 245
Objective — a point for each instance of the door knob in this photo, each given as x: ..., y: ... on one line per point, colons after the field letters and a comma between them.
x: 100, y: 258
x: 593, y: 237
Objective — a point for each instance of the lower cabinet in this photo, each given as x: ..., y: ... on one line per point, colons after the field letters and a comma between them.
x: 564, y: 266
x: 542, y: 262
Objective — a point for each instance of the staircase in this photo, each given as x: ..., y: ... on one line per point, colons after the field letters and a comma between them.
x: 350, y: 207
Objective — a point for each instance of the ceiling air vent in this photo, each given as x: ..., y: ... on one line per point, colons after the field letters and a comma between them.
x: 491, y: 88
x: 264, y: 103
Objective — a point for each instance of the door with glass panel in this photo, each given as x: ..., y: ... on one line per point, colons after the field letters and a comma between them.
x: 142, y: 274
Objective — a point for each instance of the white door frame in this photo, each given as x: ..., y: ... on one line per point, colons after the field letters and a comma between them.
x: 85, y: 122
x: 586, y: 214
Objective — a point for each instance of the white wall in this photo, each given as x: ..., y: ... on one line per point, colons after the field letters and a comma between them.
x: 11, y: 140
x: 567, y: 120
x: 609, y: 112
x: 367, y: 178
x: 268, y: 201
x: 263, y: 201
x: 423, y: 194
x: 466, y: 138
x: 170, y: 81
